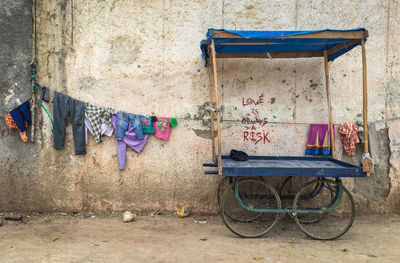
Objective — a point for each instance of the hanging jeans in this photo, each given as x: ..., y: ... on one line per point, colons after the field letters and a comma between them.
x: 128, y: 140
x: 123, y: 120
x: 64, y: 106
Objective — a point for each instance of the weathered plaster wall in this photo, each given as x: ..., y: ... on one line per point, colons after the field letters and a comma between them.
x: 18, y: 161
x: 144, y: 57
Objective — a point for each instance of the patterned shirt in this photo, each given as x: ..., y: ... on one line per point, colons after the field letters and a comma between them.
x: 97, y: 116
x: 349, y: 137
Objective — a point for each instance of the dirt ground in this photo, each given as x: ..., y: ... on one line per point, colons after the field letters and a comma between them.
x: 165, y: 238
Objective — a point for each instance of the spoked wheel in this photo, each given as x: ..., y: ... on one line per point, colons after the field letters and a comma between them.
x: 226, y: 182
x: 223, y: 185
x: 333, y: 200
x: 230, y: 182
x: 288, y: 190
x: 254, y: 194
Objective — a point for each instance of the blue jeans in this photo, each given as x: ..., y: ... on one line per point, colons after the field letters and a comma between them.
x: 123, y: 120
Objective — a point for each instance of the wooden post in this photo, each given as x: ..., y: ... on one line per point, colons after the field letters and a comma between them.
x: 214, y: 64
x: 212, y: 113
x: 366, y: 162
x: 328, y: 96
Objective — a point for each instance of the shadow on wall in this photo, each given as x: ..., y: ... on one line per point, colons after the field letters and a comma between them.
x: 377, y: 187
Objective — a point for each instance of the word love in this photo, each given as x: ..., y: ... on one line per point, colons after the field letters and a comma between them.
x: 250, y: 101
x: 247, y: 120
x: 256, y: 137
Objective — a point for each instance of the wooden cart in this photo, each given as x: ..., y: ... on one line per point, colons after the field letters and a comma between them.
x: 322, y: 208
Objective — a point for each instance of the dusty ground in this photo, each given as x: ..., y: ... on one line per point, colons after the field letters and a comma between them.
x: 166, y: 238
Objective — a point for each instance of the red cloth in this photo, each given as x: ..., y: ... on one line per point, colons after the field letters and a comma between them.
x: 349, y: 137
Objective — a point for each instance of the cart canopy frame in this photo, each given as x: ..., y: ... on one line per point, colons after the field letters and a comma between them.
x: 282, y: 44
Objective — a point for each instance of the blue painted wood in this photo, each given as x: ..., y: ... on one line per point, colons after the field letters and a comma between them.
x: 210, y: 165
x: 232, y: 163
x: 290, y: 166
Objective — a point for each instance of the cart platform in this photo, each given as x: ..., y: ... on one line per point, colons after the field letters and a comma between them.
x: 289, y: 166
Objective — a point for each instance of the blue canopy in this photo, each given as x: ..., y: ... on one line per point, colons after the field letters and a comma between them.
x: 281, y: 44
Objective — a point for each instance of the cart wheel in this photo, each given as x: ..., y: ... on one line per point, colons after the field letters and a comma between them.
x: 255, y: 194
x: 288, y: 191
x: 223, y: 185
x: 332, y: 224
x: 242, y: 188
x: 226, y: 183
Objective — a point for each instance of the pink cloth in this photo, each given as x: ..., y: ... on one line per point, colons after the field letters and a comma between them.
x: 319, y: 140
x: 162, y: 128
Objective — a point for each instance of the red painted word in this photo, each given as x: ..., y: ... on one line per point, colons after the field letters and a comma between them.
x: 8, y: 132
x: 256, y: 137
x: 250, y: 101
x: 247, y: 120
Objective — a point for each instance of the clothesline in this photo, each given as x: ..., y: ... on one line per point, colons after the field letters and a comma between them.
x: 131, y: 130
x: 52, y: 96
x: 280, y: 122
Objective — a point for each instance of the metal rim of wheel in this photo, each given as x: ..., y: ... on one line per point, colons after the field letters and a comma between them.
x: 260, y: 222
x: 221, y: 189
x: 223, y: 185
x: 281, y: 193
x: 319, y: 231
x: 236, y: 217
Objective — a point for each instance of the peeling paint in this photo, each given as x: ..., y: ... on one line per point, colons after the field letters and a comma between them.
x: 8, y: 97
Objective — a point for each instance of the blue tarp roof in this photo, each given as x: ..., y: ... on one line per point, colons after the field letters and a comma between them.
x: 282, y: 44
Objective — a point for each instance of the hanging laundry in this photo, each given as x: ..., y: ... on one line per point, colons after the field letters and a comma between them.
x: 128, y: 139
x: 124, y: 120
x: 12, y: 125
x: 162, y: 127
x: 147, y: 124
x: 21, y: 115
x: 319, y: 140
x: 97, y: 116
x: 104, y: 129
x: 64, y: 106
x: 45, y: 95
x: 349, y: 137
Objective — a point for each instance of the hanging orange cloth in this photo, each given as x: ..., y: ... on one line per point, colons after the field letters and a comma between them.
x: 12, y: 125
x: 349, y: 137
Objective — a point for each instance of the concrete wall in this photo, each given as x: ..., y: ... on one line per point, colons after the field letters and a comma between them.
x: 144, y: 57
x: 18, y: 161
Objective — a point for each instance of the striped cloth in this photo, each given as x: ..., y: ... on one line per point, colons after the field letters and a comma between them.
x: 97, y: 116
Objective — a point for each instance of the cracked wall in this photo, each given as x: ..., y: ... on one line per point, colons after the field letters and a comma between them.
x: 144, y: 57
x: 18, y: 185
